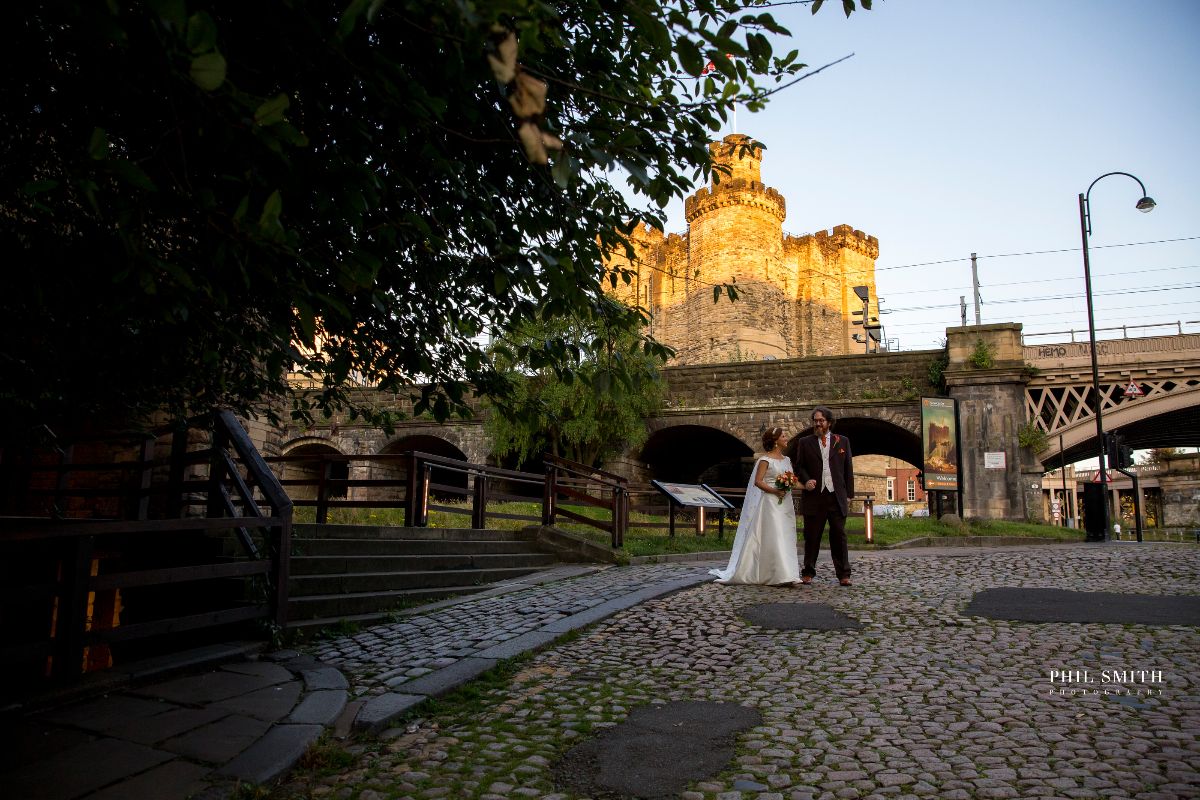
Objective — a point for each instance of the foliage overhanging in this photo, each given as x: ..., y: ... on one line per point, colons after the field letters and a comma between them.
x: 200, y: 195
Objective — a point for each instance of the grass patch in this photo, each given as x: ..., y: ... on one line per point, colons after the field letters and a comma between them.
x: 647, y: 541
x: 325, y: 757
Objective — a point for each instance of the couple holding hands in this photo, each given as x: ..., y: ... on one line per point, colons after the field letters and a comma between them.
x: 764, y: 548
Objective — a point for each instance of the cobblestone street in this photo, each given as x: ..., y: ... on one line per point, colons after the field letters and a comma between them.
x: 921, y: 701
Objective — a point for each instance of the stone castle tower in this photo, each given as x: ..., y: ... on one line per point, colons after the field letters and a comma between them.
x: 796, y: 293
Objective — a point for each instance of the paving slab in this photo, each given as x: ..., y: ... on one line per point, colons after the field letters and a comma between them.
x: 657, y: 751
x: 270, y: 703
x: 448, y: 678
x: 174, y: 780
x: 323, y: 678
x: 205, y: 688
x: 1062, y: 605
x: 798, y: 617
x: 220, y: 741
x: 272, y: 754
x: 319, y: 708
x: 381, y: 710
x: 24, y: 741
x: 106, y: 712
x: 174, y: 722
x: 74, y: 772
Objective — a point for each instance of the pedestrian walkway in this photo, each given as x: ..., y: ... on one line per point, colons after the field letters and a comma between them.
x: 912, y: 697
x: 199, y: 734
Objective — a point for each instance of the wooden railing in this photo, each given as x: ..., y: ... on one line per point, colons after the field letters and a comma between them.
x: 132, y: 553
x: 389, y: 480
x: 570, y: 479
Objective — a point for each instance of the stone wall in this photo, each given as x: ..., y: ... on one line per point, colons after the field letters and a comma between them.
x: 796, y: 293
x: 991, y: 410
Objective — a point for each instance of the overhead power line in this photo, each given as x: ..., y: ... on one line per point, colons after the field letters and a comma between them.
x: 1036, y: 253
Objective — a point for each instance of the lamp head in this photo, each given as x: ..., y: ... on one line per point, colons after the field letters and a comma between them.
x: 1145, y: 205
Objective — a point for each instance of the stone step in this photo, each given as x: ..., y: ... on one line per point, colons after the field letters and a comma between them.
x: 402, y: 547
x: 352, y: 583
x: 328, y: 565
x: 323, y: 610
x: 309, y: 530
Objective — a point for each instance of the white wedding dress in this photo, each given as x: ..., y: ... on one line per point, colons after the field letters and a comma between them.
x: 764, y: 548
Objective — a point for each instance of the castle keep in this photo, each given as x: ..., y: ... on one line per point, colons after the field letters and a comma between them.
x: 796, y: 293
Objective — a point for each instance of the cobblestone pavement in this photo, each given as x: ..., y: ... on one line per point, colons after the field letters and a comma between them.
x: 922, y: 701
x: 385, y: 657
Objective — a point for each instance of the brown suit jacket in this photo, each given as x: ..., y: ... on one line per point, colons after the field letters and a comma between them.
x: 805, y: 453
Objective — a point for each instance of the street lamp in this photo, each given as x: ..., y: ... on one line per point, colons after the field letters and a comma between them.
x: 1144, y: 205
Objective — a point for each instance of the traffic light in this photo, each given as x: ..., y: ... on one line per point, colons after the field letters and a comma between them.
x: 1124, y: 455
x: 1120, y: 455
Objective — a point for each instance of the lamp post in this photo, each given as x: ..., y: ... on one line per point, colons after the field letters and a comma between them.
x: 1085, y: 224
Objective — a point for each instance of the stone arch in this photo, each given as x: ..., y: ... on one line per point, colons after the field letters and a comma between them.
x: 689, y: 453
x: 883, y: 432
x: 424, y: 443
x: 310, y: 470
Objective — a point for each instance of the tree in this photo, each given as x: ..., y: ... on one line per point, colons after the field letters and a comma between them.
x: 1159, y: 455
x: 589, y: 409
x: 200, y: 197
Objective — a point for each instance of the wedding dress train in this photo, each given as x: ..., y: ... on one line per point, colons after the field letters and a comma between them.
x: 764, y: 548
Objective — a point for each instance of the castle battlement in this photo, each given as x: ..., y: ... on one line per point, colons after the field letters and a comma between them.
x: 735, y: 192
x: 795, y: 296
x: 842, y: 236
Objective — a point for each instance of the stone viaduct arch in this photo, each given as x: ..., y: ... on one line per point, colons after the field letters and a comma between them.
x: 717, y: 448
x: 714, y: 413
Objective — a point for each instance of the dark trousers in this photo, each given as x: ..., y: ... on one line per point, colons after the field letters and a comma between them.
x: 820, y: 508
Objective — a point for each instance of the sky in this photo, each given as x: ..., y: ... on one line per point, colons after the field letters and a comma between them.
x: 972, y: 126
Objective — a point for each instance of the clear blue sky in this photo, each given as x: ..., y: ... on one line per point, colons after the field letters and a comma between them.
x: 965, y: 126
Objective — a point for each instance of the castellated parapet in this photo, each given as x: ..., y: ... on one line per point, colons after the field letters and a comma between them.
x: 795, y: 292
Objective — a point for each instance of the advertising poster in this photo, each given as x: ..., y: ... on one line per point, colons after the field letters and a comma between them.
x: 939, y: 442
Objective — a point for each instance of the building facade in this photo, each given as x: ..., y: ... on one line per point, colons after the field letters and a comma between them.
x: 796, y: 293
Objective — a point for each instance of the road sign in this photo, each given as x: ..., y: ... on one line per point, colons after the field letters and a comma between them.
x: 1100, y: 477
x: 1133, y: 390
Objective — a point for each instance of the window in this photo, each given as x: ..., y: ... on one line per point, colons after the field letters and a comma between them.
x: 912, y: 490
x: 891, y: 489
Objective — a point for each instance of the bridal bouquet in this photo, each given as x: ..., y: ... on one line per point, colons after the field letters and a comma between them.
x: 786, y: 481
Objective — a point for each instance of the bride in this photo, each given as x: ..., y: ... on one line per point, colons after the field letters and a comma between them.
x: 764, y: 549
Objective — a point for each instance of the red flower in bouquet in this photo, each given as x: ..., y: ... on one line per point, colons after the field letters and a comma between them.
x: 786, y: 481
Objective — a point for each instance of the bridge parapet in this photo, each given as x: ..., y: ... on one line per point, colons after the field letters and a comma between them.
x: 801, y: 382
x: 1174, y: 350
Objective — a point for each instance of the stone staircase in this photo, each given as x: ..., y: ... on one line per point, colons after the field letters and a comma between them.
x: 364, y: 573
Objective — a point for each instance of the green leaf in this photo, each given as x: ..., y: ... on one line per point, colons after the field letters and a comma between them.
x: 208, y: 71
x: 132, y: 174
x: 689, y: 57
x: 560, y: 170
x: 98, y: 144
x: 272, y: 111
x: 201, y: 33
x: 269, y: 219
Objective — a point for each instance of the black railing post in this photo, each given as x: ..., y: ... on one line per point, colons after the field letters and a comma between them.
x: 216, y: 469
x: 179, y: 445
x: 140, y: 496
x: 549, y: 491
x: 323, y: 489
x: 71, y: 621
x: 423, y: 496
x: 479, y: 502
x: 410, y: 491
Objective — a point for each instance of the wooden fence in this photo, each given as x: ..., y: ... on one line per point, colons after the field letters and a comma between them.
x: 109, y: 549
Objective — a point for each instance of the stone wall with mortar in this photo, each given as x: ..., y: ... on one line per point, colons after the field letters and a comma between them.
x: 796, y: 293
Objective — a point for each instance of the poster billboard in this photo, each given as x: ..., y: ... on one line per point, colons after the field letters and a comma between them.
x: 939, y: 443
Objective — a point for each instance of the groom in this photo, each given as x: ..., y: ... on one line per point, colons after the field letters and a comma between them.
x: 823, y: 464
